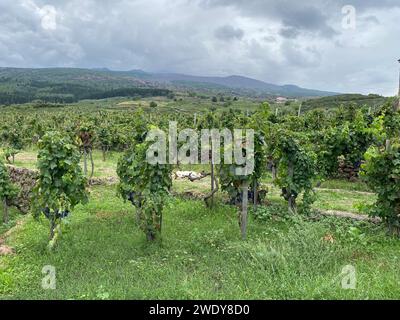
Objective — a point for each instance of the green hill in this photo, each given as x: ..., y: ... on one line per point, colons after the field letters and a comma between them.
x: 371, y: 100
x: 65, y: 85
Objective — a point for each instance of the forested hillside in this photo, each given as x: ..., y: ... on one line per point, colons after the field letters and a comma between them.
x: 69, y: 85
x: 371, y: 100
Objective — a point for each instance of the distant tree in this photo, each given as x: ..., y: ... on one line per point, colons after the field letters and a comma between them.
x: 214, y: 99
x: 235, y: 99
x: 153, y: 105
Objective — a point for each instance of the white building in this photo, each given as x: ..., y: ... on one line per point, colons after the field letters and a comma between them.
x: 281, y: 100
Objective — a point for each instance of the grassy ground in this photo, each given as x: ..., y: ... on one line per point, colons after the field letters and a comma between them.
x: 103, y: 255
x: 28, y: 158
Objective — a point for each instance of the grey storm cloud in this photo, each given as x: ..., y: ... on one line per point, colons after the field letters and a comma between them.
x: 278, y: 41
x: 228, y: 32
x: 289, y: 32
x: 304, y: 16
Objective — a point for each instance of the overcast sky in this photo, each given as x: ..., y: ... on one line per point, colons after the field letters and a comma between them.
x: 312, y: 43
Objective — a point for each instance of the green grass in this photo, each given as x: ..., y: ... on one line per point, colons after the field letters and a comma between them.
x: 28, y: 159
x: 13, y: 217
x: 103, y: 255
x: 342, y: 200
x: 328, y: 199
x: 345, y: 185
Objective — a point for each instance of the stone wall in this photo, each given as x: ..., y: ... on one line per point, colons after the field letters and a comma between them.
x: 347, y: 170
x: 25, y: 179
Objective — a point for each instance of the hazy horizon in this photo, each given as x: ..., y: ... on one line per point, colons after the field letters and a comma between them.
x: 317, y: 46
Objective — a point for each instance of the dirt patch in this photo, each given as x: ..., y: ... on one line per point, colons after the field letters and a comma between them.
x: 190, y: 195
x: 26, y: 157
x: 103, y: 181
x: 6, y: 250
x: 350, y: 215
x: 346, y: 191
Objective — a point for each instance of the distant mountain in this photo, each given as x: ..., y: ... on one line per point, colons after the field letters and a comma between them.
x: 19, y: 85
x: 230, y: 82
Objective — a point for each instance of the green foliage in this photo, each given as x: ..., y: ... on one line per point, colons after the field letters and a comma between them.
x: 274, y: 211
x: 8, y: 191
x: 382, y: 174
x: 104, y: 138
x: 12, y: 140
x: 61, y: 184
x: 153, y: 104
x: 391, y: 119
x: 86, y: 135
x: 350, y: 138
x: 146, y: 186
x: 231, y: 181
x: 296, y: 169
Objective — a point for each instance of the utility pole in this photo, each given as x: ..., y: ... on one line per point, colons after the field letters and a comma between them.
x: 398, y: 94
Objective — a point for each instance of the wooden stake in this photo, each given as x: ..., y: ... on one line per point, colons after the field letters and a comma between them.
x: 245, y: 198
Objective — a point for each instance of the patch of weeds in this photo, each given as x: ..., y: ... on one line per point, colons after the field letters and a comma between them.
x: 302, y: 250
x: 274, y: 211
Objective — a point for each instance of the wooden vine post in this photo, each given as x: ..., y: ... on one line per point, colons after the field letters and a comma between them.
x: 243, y: 216
x: 291, y: 198
x: 86, y: 137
